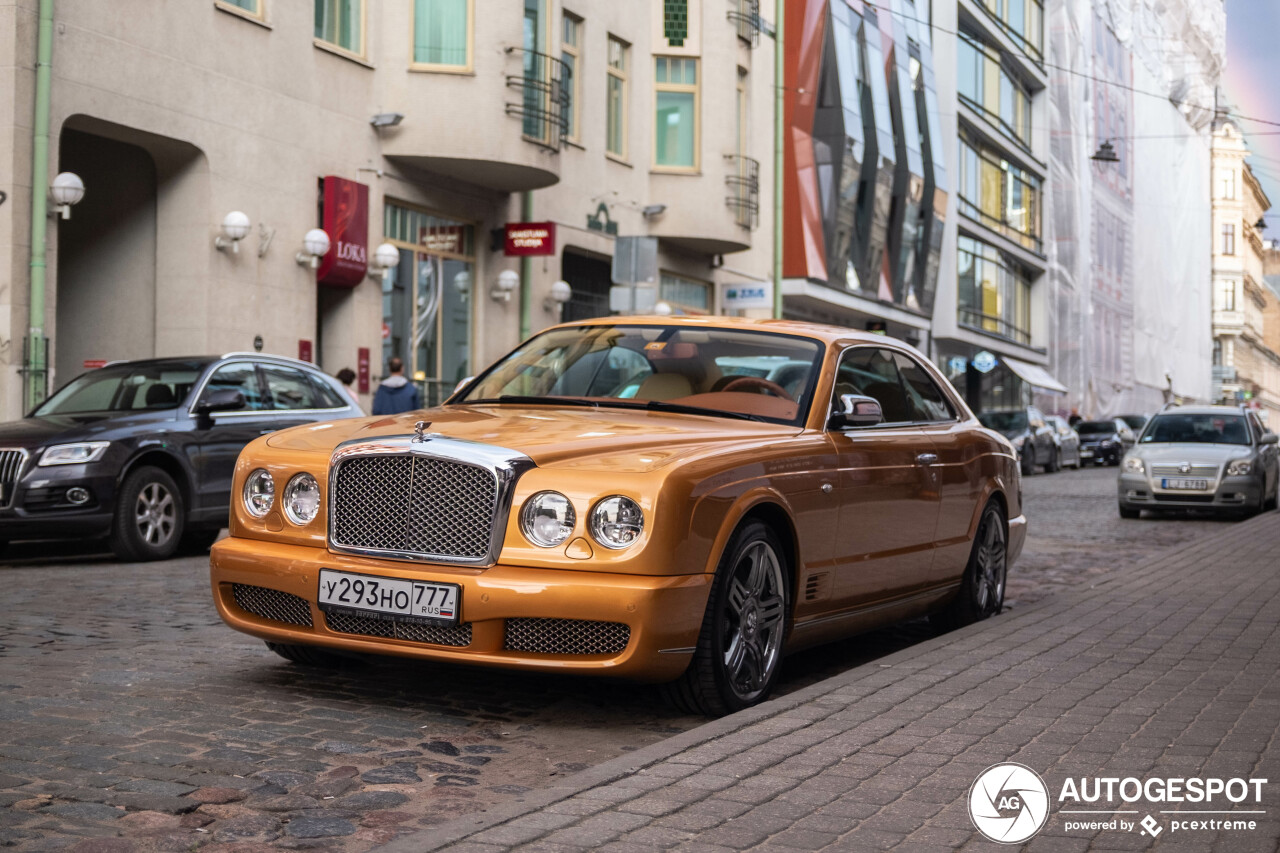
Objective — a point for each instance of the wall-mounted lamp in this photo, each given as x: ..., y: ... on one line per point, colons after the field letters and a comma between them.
x: 315, y: 245
x: 560, y: 293
x: 652, y: 211
x: 508, y: 280
x: 663, y: 309
x: 66, y: 190
x: 235, y: 227
x: 386, y: 119
x: 1106, y: 153
x: 385, y: 257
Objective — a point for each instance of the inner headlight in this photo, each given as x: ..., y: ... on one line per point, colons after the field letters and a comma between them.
x: 1106, y: 442
x: 1133, y: 465
x: 1240, y: 467
x: 302, y: 499
x: 259, y: 493
x: 616, y: 522
x: 74, y: 454
x: 547, y: 519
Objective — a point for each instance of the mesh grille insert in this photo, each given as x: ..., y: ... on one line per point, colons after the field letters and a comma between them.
x: 414, y: 504
x: 566, y: 636
x: 438, y: 635
x: 272, y: 604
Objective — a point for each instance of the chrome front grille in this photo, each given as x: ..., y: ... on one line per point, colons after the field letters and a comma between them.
x: 1198, y: 471
x: 437, y: 635
x: 272, y: 604
x: 566, y: 636
x: 10, y: 470
x: 413, y: 505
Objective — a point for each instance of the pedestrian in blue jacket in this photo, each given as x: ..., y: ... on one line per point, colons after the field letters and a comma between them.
x: 396, y: 394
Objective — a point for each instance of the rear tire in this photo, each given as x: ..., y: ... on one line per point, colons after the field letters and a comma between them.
x: 985, y: 577
x: 150, y: 517
x: 1129, y: 512
x: 1028, y: 462
x: 1055, y: 462
x: 306, y: 655
x: 739, y: 651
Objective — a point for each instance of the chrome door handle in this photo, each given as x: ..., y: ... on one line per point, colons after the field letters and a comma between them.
x: 927, y: 458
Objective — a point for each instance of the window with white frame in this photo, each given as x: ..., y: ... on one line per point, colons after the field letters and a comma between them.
x: 1229, y: 239
x: 340, y: 23
x: 251, y: 8
x: 616, y: 98
x: 675, y: 125
x: 571, y: 56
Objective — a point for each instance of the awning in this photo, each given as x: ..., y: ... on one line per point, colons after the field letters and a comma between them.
x: 1035, y: 376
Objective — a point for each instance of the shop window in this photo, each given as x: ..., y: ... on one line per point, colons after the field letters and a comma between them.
x: 616, y: 98
x: 340, y: 23
x: 443, y: 34
x: 676, y: 120
x: 571, y: 56
x: 687, y: 295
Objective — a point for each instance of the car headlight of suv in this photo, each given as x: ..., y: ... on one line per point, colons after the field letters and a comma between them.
x: 75, y: 454
x: 302, y: 499
x: 259, y: 493
x: 1106, y: 442
x: 547, y: 519
x: 1239, y: 467
x: 616, y: 522
x: 1133, y: 465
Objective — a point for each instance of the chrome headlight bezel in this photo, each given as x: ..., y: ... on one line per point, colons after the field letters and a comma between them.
x: 1240, y: 467
x: 541, y: 507
x: 616, y: 522
x: 75, y: 453
x: 259, y: 493
x: 293, y: 490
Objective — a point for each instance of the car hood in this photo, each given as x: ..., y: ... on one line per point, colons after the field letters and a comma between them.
x: 37, y: 432
x: 1193, y: 452
x: 552, y: 436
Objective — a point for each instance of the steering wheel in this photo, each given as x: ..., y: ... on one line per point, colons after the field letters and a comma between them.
x: 763, y: 384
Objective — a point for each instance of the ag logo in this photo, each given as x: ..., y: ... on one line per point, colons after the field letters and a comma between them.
x: 1008, y: 803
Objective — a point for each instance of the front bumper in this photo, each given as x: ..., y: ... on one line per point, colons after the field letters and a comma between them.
x: 1101, y: 455
x: 40, y: 510
x: 663, y: 614
x: 1136, y: 491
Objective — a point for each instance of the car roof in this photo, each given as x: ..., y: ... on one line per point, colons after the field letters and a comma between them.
x: 820, y: 331
x: 210, y: 359
x: 1202, y: 410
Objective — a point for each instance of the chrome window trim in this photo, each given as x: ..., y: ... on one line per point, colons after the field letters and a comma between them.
x: 505, y: 464
x: 944, y: 387
x: 243, y: 358
x: 17, y: 476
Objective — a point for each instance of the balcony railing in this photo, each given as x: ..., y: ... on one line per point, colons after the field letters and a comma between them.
x: 743, y: 184
x: 1001, y: 226
x: 747, y: 19
x: 545, y: 84
x: 979, y: 322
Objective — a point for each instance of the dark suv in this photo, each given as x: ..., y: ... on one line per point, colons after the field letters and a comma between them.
x: 143, y: 451
x: 1031, y: 435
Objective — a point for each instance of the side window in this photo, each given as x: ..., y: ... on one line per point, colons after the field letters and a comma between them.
x: 873, y: 372
x: 926, y: 399
x: 325, y: 393
x: 1258, y: 430
x: 288, y: 388
x: 239, y: 376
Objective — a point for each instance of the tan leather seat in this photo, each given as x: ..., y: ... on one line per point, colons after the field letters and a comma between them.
x: 664, y: 386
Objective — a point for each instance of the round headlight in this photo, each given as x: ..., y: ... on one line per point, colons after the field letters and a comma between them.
x: 616, y: 522
x: 302, y: 499
x: 259, y: 493
x: 547, y: 519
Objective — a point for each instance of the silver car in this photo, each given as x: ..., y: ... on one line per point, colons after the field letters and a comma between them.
x: 1201, y: 457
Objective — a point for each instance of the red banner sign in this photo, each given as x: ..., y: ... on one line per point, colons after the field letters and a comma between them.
x: 362, y: 370
x: 94, y: 363
x: 304, y: 350
x: 346, y: 221
x: 530, y: 238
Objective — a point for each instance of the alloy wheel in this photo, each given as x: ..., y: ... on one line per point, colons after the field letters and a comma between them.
x: 155, y: 514
x: 991, y: 566
x: 754, y: 620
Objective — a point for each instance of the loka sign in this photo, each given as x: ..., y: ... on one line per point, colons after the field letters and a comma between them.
x: 753, y: 295
x: 346, y: 219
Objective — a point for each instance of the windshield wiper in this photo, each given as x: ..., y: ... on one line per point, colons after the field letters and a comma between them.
x: 548, y: 401
x: 662, y: 406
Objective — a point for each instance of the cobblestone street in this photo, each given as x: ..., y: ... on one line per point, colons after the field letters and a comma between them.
x: 133, y: 720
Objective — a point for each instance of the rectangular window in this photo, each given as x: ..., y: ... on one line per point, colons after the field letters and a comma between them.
x: 1226, y: 300
x: 443, y: 32
x: 687, y: 295
x: 676, y: 119
x: 1229, y: 239
x: 999, y: 194
x: 571, y: 56
x: 1229, y: 184
x: 987, y: 86
x: 616, y: 99
x: 994, y: 291
x: 341, y: 24
x: 252, y: 7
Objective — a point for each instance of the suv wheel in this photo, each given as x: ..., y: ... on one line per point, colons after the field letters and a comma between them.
x: 1028, y: 461
x: 1129, y: 512
x: 149, y: 518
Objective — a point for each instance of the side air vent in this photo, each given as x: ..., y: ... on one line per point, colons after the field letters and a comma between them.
x: 817, y: 587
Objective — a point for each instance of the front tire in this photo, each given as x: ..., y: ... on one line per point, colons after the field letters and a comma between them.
x: 986, y: 575
x: 150, y: 517
x: 1028, y: 461
x: 1129, y: 512
x: 739, y: 649
x: 1055, y: 462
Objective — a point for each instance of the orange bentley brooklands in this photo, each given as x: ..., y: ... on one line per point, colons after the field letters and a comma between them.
x: 680, y: 501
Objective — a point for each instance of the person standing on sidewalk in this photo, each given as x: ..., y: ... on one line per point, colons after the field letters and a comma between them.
x: 346, y: 376
x: 396, y: 394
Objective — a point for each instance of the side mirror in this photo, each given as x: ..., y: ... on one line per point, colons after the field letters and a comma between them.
x: 222, y: 400
x: 858, y: 411
x: 1269, y: 438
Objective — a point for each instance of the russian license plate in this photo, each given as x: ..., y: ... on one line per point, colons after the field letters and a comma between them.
x: 1086, y: 452
x: 1178, y: 483
x: 390, y: 599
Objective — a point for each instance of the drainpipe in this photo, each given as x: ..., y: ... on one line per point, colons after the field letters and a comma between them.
x: 779, y: 82
x: 526, y: 268
x: 36, y: 365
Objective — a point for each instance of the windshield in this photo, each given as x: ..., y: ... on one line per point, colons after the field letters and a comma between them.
x: 1198, y: 429
x: 1136, y: 422
x: 1096, y: 426
x: 722, y: 372
x: 1004, y: 421
x: 125, y: 388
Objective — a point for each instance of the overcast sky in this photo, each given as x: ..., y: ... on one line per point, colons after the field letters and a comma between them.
x: 1252, y: 86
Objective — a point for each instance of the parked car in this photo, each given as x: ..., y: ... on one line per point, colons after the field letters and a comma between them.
x: 1202, y: 457
x: 1067, y: 441
x: 1031, y: 435
x: 142, y: 452
x: 539, y: 520
x: 1104, y: 442
x: 1135, y: 422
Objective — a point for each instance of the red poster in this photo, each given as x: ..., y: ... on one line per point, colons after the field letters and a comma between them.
x: 530, y: 238
x: 346, y: 221
x: 304, y: 350
x: 94, y: 363
x: 362, y: 370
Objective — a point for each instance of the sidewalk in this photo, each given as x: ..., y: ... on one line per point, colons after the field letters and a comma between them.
x: 1168, y: 670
